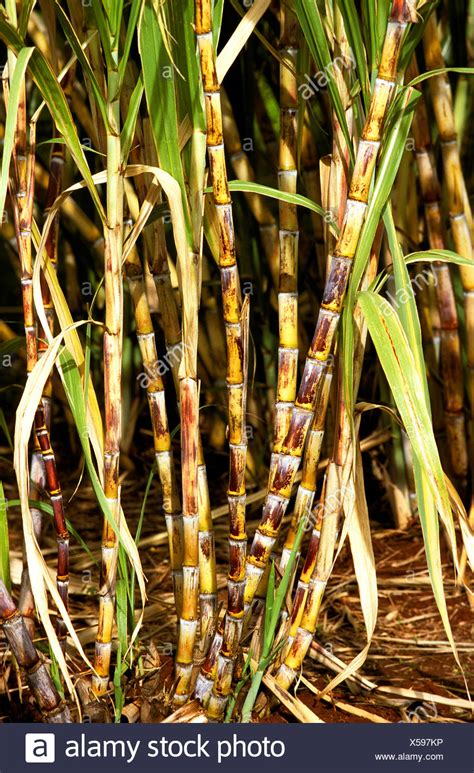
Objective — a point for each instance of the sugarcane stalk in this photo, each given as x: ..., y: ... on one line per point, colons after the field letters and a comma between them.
x: 62, y: 534
x: 236, y: 330
x: 451, y: 369
x: 319, y: 557
x: 198, y: 552
x: 318, y: 568
x: 56, y: 169
x: 38, y: 482
x: 326, y: 517
x: 233, y: 620
x: 303, y: 586
x: 459, y: 212
x: 243, y: 170
x: 189, y: 409
x: 43, y: 467
x: 43, y: 415
x: 310, y: 394
x: 288, y: 229
x: 207, y: 673
x: 157, y: 259
x: 159, y: 267
x: 21, y: 194
x: 26, y: 601
x: 38, y: 677
x: 159, y: 420
x: 403, y: 475
x: 112, y: 346
x: 338, y: 182
x: 307, y: 486
x: 207, y: 556
x: 312, y: 184
x: 337, y: 194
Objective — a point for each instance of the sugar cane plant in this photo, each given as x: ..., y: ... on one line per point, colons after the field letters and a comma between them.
x: 173, y: 318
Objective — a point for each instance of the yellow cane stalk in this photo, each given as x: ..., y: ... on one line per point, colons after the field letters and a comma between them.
x: 312, y: 185
x: 236, y: 330
x: 243, y: 170
x: 459, y: 211
x: 450, y: 344
x: 157, y: 260
x: 313, y: 583
x: 113, y: 235
x: 460, y: 215
x: 189, y: 409
x: 307, y: 486
x: 289, y: 233
x: 337, y: 195
x: 43, y: 473
x: 159, y: 420
x: 158, y: 264
x: 311, y: 396
x: 319, y: 555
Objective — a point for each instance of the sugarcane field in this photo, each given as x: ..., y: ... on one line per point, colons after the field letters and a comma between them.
x: 236, y: 365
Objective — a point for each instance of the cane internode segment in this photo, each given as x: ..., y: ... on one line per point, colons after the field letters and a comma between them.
x: 189, y: 613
